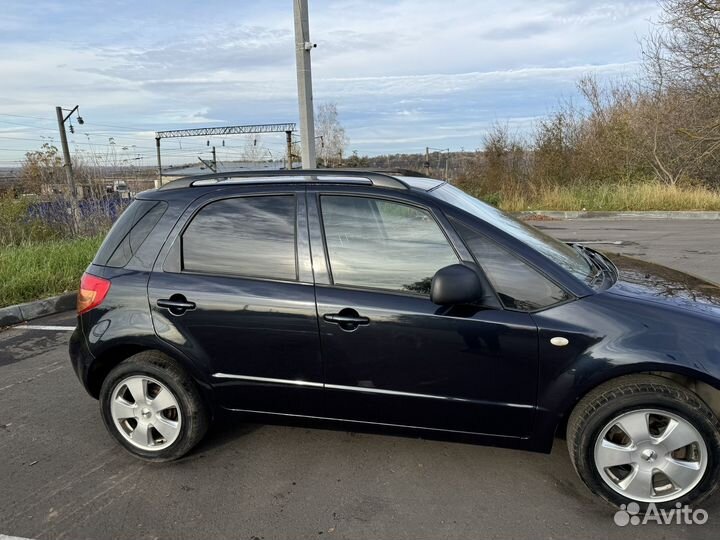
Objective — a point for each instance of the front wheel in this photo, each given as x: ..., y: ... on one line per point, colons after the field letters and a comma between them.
x: 152, y: 407
x: 645, y: 439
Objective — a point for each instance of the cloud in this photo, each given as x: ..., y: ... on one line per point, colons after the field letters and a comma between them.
x: 248, y: 48
x: 401, y: 71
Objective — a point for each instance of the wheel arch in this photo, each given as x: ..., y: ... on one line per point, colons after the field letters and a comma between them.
x: 105, y: 362
x: 707, y: 388
x: 111, y: 356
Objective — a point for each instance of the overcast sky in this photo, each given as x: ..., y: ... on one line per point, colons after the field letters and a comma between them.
x: 404, y: 74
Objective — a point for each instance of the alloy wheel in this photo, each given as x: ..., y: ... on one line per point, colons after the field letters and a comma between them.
x: 145, y: 412
x: 650, y: 455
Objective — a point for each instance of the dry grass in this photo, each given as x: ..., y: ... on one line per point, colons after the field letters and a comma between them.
x: 617, y: 197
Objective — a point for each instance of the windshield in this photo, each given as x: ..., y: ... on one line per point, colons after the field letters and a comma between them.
x: 559, y: 252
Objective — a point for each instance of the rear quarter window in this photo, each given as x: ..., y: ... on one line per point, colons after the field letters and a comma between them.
x: 129, y: 232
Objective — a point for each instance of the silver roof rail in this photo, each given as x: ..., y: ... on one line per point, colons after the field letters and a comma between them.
x: 379, y: 179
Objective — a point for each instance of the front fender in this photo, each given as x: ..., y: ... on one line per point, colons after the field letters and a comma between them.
x: 610, y: 336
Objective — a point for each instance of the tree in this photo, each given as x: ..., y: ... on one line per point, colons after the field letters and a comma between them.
x: 253, y: 150
x: 355, y: 161
x: 331, y: 138
x: 43, y: 166
x: 682, y: 60
x: 684, y: 49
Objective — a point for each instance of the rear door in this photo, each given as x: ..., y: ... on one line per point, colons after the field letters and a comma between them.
x: 234, y: 292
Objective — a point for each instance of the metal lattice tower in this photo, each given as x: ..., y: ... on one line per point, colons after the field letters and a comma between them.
x: 227, y: 130
x: 288, y: 128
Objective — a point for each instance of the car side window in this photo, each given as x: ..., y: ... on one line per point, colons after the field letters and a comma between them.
x: 135, y: 237
x: 383, y: 244
x: 244, y: 236
x: 518, y: 285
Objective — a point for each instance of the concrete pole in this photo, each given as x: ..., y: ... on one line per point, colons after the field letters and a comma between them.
x: 67, y: 165
x: 158, y: 182
x: 303, y: 46
x: 288, y: 140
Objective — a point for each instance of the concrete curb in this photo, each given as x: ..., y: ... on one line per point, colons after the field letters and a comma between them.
x: 554, y: 214
x: 39, y: 308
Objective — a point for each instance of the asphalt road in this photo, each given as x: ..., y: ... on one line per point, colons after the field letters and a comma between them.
x: 61, y: 476
x: 688, y: 245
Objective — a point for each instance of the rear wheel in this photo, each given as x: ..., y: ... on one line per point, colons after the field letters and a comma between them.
x: 645, y: 439
x: 152, y: 407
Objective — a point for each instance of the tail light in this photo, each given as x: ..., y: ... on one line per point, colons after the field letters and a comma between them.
x: 93, y: 291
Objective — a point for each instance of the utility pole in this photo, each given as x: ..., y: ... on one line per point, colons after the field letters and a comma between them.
x: 427, y: 160
x: 288, y: 140
x: 214, y: 160
x: 303, y: 46
x: 158, y: 182
x: 209, y: 164
x: 67, y: 165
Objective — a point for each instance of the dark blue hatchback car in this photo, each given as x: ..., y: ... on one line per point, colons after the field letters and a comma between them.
x: 399, y: 302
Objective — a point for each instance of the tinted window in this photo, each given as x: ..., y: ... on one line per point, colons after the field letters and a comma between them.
x: 383, y: 244
x: 247, y: 236
x: 518, y: 285
x: 557, y: 251
x: 137, y: 235
x: 120, y: 228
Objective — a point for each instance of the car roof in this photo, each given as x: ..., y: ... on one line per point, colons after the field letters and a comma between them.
x: 387, y: 178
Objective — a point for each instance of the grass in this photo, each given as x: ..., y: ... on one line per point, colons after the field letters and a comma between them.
x: 608, y: 198
x: 42, y: 269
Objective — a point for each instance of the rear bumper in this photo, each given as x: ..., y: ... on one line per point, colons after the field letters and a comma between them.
x: 80, y: 357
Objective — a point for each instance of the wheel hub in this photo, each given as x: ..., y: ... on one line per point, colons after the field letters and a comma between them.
x: 146, y: 413
x: 648, y: 455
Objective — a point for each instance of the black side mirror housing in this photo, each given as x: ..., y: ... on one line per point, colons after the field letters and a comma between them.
x: 454, y: 285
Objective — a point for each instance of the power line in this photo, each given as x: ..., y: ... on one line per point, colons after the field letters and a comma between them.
x: 26, y: 125
x: 26, y: 116
x: 130, y: 128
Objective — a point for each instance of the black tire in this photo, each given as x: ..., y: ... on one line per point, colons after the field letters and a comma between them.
x: 634, y: 392
x: 195, y: 419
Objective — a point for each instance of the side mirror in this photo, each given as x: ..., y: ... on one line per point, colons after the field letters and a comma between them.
x: 455, y: 285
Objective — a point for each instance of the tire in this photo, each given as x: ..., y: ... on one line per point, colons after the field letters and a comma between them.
x: 597, y: 435
x: 167, y: 419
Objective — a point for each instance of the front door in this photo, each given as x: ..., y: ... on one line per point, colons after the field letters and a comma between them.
x: 392, y: 356
x: 240, y: 265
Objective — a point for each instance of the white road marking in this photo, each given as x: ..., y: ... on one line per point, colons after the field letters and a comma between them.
x: 6, y: 537
x: 43, y: 327
x: 610, y: 242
